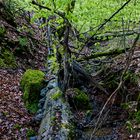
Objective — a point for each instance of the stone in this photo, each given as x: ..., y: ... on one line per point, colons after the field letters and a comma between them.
x: 41, y: 102
x: 33, y: 138
x: 52, y: 84
x: 39, y: 111
x: 44, y: 92
x: 38, y: 117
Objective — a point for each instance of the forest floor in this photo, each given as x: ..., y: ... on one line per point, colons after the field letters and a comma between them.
x: 15, y: 121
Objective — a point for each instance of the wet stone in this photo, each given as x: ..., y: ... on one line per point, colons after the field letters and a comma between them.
x: 33, y: 138
x: 38, y: 117
x: 39, y: 111
x: 52, y: 84
x: 41, y: 103
x: 44, y: 92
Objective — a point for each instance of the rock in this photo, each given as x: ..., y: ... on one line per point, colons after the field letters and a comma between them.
x: 41, y: 102
x: 33, y: 138
x: 44, y: 92
x: 39, y: 111
x: 52, y: 84
x: 38, y: 117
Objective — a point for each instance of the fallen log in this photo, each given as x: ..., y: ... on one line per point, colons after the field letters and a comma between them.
x: 107, y: 53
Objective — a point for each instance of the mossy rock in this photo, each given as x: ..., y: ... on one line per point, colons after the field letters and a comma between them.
x: 78, y: 98
x: 31, y: 84
x: 7, y: 59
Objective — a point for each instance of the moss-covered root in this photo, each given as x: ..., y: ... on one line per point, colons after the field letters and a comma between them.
x: 31, y: 84
x: 56, y: 123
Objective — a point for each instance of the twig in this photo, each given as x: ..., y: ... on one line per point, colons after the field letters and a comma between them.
x: 61, y: 14
x: 104, y: 23
x: 128, y: 61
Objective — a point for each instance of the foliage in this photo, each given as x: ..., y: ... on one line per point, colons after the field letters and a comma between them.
x: 31, y: 83
x: 56, y: 95
x: 30, y: 133
x: 7, y: 59
x: 130, y: 77
x: 79, y: 98
x: 86, y: 14
x: 2, y: 31
x: 23, y: 41
x: 17, y: 126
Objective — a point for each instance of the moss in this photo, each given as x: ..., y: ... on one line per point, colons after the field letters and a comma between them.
x: 2, y: 31
x: 2, y: 64
x: 56, y: 95
x: 17, y: 126
x: 81, y: 96
x: 80, y: 99
x: 30, y: 133
x: 31, y: 84
x: 131, y: 77
x: 7, y: 59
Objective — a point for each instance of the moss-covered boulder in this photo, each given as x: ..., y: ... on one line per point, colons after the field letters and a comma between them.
x: 7, y: 59
x: 78, y: 98
x: 31, y: 84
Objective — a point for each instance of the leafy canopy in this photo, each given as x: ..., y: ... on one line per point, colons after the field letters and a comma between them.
x: 87, y: 14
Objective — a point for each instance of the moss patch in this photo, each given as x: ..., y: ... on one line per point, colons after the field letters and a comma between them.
x: 7, y: 59
x: 31, y: 84
x: 30, y: 133
x: 56, y: 95
x: 79, y: 98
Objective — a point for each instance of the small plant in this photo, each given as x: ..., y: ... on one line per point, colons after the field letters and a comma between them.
x: 137, y: 116
x: 130, y: 77
x: 23, y: 41
x: 129, y: 126
x: 30, y: 133
x: 2, y: 31
x: 7, y: 59
x: 17, y: 126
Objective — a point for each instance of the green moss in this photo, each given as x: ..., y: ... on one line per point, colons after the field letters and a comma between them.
x: 130, y: 77
x: 81, y: 99
x: 56, y: 95
x: 2, y: 64
x: 31, y: 84
x: 7, y: 59
x: 17, y: 126
x: 2, y: 31
x: 137, y: 116
x: 30, y: 133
